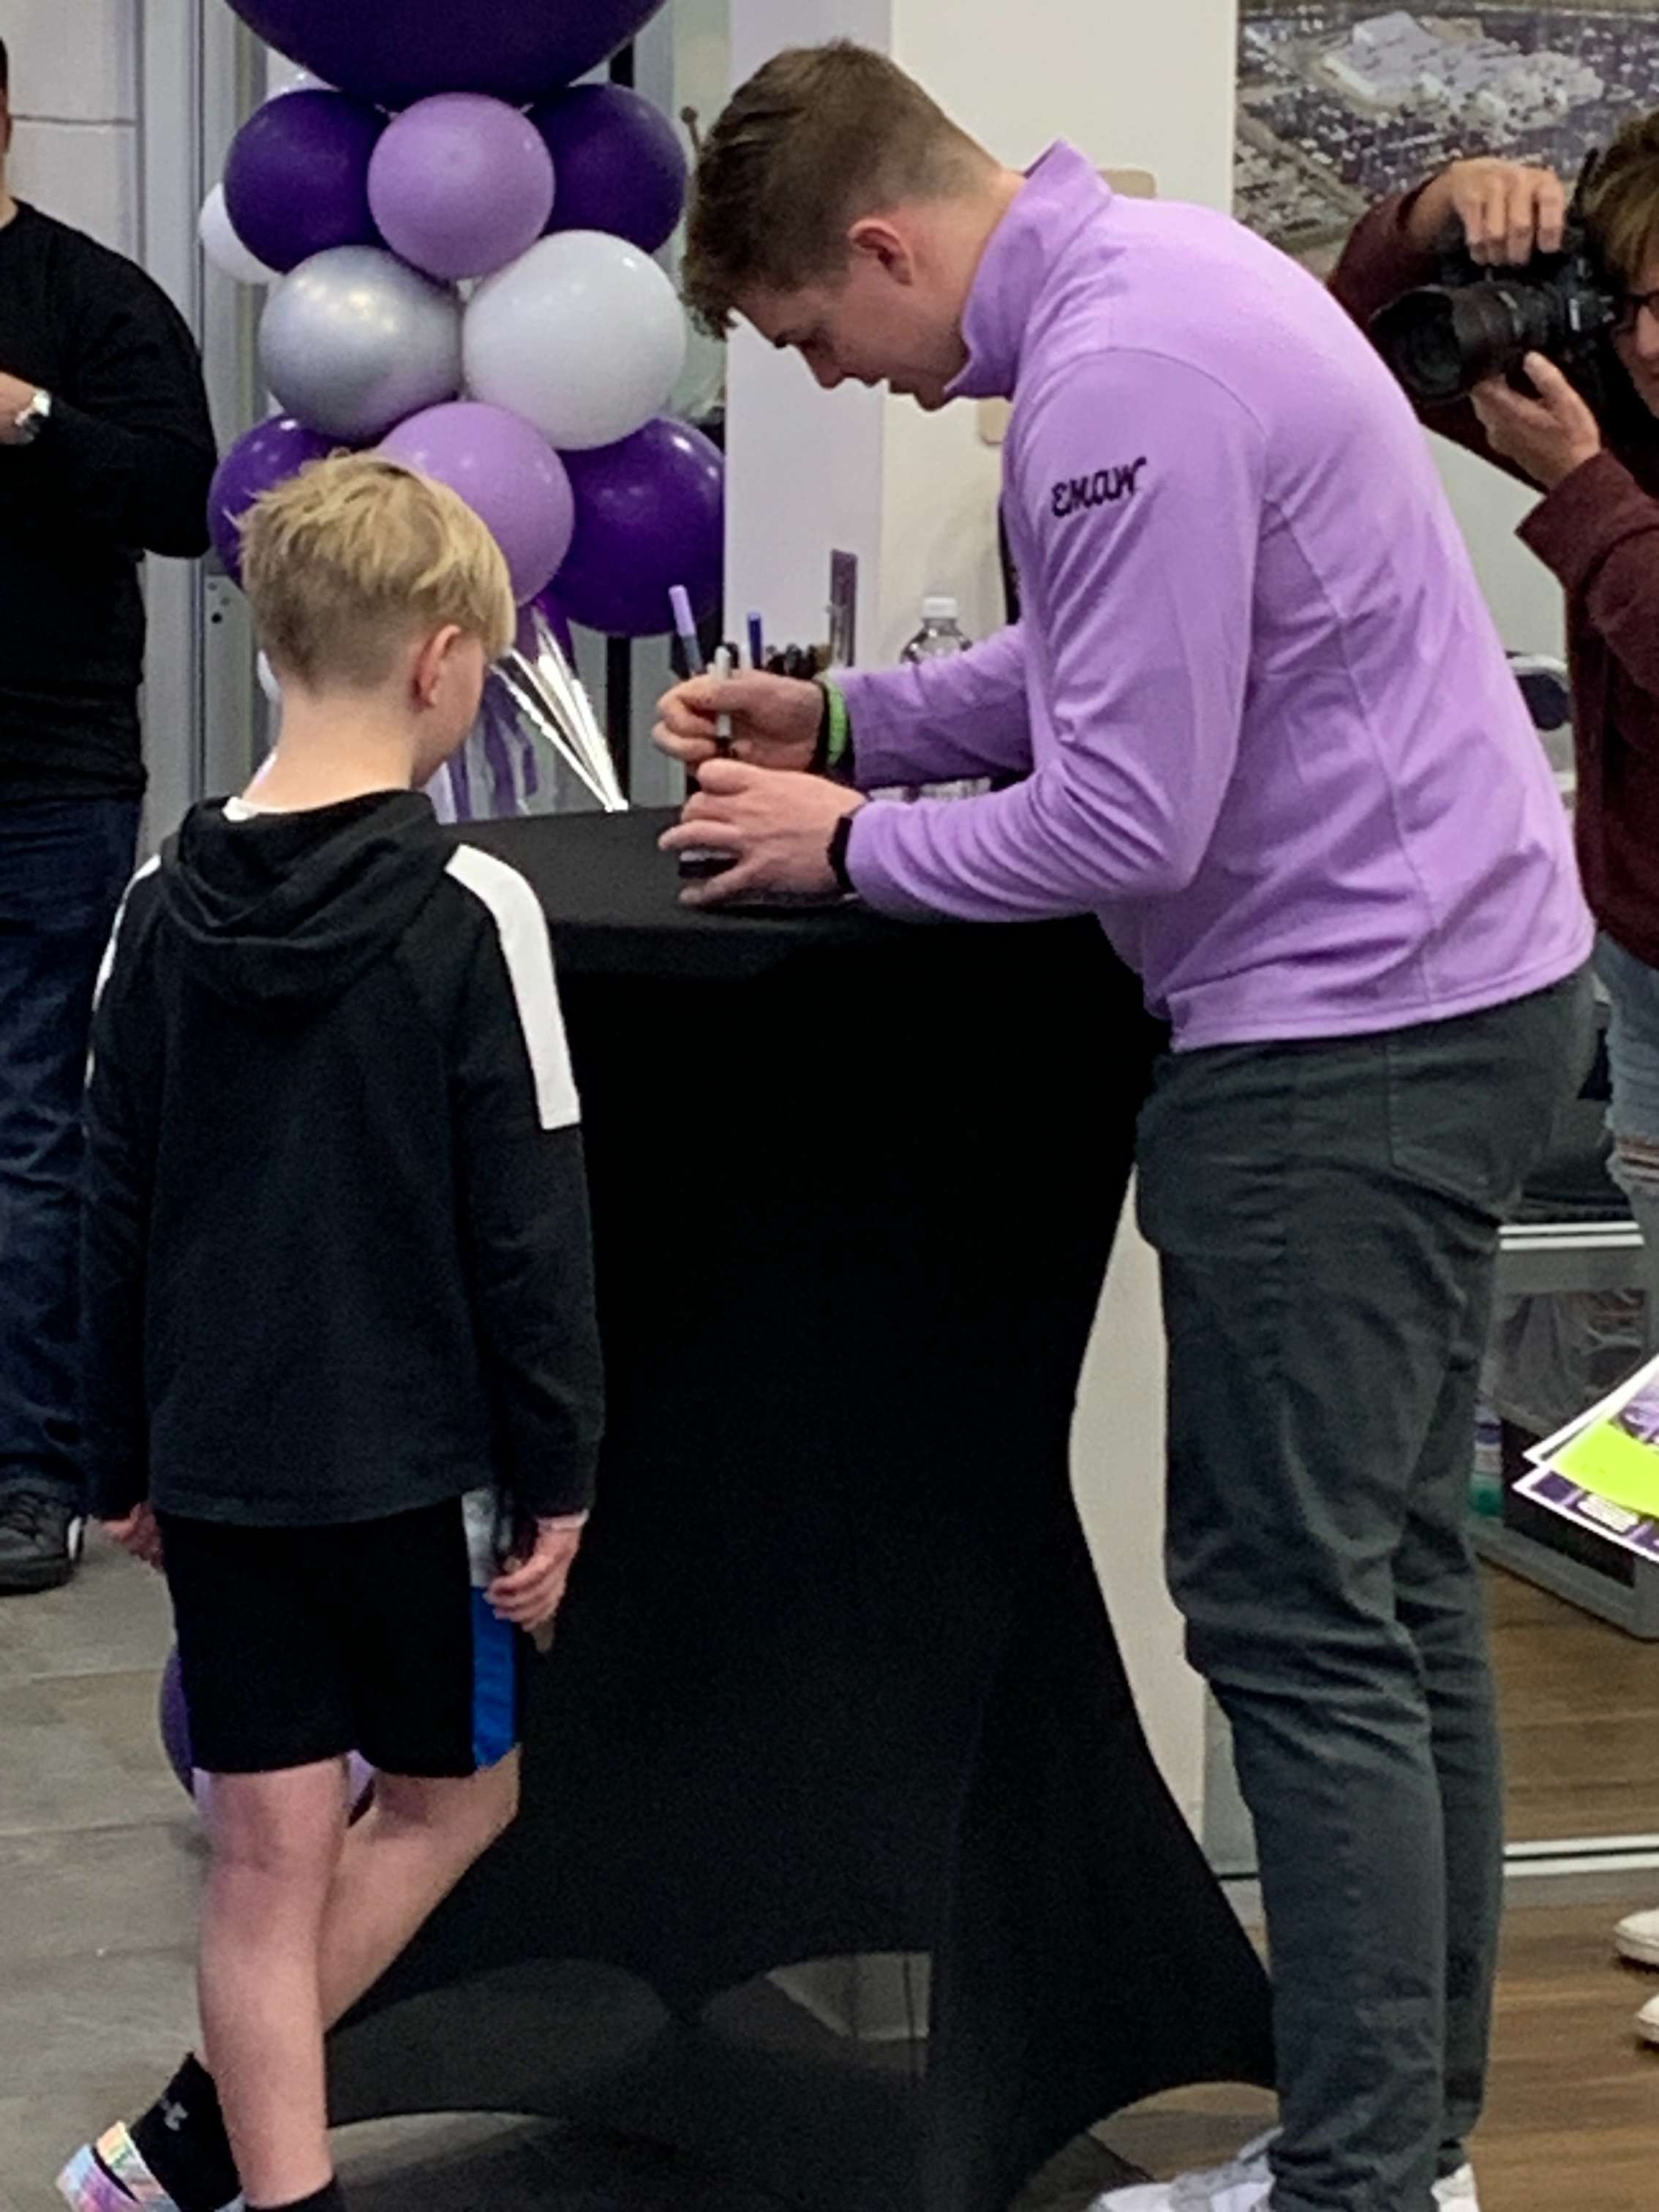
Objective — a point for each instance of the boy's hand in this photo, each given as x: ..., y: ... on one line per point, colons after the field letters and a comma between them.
x: 529, y: 1592
x: 139, y: 1534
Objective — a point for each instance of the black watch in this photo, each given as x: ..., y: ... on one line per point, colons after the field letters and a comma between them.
x: 838, y: 842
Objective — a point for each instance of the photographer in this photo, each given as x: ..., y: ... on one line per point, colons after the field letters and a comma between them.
x: 1597, y: 527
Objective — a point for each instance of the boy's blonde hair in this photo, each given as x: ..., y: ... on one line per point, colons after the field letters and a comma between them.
x: 346, y: 562
x: 1622, y: 205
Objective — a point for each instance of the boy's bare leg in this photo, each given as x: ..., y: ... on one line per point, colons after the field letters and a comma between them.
x: 398, y: 1864
x: 277, y: 1841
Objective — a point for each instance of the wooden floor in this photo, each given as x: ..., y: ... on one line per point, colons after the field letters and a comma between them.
x: 1573, y: 2124
x: 1581, y: 1721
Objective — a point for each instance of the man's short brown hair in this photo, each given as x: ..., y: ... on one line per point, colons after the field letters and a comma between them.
x: 349, y: 560
x: 1622, y: 205
x: 820, y: 137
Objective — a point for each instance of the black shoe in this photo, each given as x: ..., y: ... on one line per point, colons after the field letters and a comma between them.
x: 41, y: 1538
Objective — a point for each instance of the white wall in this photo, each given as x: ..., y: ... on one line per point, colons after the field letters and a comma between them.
x: 75, y: 95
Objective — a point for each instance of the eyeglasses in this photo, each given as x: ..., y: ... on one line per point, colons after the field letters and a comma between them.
x: 1630, y: 313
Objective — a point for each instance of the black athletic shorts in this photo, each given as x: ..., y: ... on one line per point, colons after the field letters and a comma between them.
x: 302, y: 1644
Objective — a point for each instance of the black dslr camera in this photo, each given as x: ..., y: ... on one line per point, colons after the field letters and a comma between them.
x: 1444, y: 339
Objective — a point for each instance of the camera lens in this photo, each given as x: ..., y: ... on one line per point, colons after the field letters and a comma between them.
x: 1443, y: 340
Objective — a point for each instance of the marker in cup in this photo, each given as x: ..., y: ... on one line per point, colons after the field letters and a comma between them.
x: 686, y: 629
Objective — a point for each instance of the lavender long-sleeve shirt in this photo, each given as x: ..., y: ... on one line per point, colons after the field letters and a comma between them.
x: 1263, y: 722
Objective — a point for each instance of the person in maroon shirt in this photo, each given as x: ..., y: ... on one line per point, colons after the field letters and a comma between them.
x: 1597, y: 527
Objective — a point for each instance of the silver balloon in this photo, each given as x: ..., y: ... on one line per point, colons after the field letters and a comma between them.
x: 354, y: 340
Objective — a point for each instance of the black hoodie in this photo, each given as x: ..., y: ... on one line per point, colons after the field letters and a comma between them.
x: 336, y: 1252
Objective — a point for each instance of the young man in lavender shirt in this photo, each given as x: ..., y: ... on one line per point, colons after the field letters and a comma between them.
x: 1255, y: 718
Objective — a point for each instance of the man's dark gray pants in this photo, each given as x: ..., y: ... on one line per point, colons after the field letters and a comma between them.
x: 1326, y: 1215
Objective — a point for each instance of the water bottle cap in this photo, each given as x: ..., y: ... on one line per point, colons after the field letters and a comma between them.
x: 940, y: 609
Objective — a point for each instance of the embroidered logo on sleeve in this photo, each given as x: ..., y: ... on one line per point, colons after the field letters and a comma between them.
x: 1104, y: 488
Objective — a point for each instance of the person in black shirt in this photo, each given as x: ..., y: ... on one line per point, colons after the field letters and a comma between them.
x: 342, y: 1364
x: 106, y: 452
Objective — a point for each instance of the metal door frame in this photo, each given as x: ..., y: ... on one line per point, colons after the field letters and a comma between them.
x: 199, y: 73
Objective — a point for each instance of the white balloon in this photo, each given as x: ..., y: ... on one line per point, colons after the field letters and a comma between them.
x: 584, y: 335
x: 223, y: 248
x: 290, y: 76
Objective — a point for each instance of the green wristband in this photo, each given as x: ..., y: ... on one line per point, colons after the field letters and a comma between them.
x: 838, y: 730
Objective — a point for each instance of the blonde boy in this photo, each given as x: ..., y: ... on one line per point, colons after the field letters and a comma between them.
x: 339, y: 1314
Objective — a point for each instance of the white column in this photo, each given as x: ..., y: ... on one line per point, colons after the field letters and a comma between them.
x: 915, y: 497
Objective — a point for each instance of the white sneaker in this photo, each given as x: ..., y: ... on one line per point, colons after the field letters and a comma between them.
x: 1647, y: 2021
x: 1456, y: 2193
x: 1637, y: 1937
x: 1244, y: 2185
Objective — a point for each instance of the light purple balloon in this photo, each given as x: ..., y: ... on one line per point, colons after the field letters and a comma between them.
x: 619, y: 161
x: 461, y: 184
x: 506, y: 472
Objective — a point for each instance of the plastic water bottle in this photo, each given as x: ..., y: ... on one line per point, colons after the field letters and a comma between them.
x: 940, y: 637
x: 1486, y: 1475
x: 941, y: 634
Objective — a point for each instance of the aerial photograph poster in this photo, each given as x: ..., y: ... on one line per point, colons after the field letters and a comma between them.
x: 1341, y: 102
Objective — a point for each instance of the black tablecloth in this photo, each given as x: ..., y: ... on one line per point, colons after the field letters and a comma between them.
x: 833, y: 1676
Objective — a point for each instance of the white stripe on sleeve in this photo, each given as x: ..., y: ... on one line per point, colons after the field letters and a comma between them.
x: 522, y: 928
x: 107, y: 966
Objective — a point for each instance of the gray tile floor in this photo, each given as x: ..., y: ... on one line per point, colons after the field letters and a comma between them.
x: 100, y: 1859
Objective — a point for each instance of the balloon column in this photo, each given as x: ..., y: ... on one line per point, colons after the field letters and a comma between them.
x: 457, y: 244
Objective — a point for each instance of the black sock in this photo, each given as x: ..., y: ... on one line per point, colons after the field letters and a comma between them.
x: 325, y: 2200
x: 182, y: 2140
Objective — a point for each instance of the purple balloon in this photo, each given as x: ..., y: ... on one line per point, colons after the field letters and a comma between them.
x: 266, y: 456
x: 296, y: 179
x: 650, y: 513
x: 546, y: 604
x: 619, y: 162
x: 174, y: 1719
x: 175, y: 1723
x: 506, y: 472
x: 461, y: 184
x: 397, y: 54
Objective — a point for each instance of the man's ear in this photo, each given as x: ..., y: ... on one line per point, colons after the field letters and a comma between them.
x: 874, y: 240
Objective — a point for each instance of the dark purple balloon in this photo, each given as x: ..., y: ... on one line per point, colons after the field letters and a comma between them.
x: 617, y: 162
x: 175, y: 1723
x: 174, y: 1719
x: 396, y: 52
x: 650, y: 513
x: 546, y: 604
x: 296, y: 179
x: 263, y: 458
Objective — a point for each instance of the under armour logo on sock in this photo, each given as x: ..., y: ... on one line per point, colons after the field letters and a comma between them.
x: 174, y: 2117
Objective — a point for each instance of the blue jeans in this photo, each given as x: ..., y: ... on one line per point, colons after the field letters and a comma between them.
x: 63, y: 867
